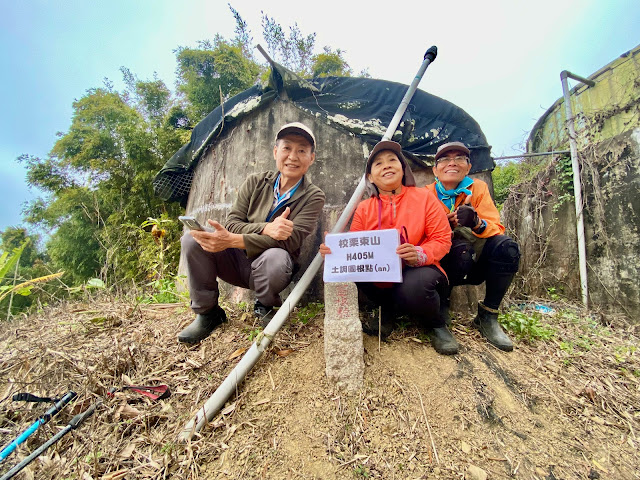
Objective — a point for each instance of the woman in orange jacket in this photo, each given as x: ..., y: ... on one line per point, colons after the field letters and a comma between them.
x: 395, y: 202
x: 481, y: 252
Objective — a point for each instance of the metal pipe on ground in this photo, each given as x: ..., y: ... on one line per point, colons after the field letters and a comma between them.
x: 577, y: 186
x: 238, y: 374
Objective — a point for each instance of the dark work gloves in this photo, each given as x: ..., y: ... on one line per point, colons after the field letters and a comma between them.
x: 467, y: 216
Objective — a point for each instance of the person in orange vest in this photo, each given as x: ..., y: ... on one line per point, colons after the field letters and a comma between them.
x: 480, y: 251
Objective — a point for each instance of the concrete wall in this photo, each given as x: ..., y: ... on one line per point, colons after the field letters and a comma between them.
x: 608, y: 137
x: 248, y: 148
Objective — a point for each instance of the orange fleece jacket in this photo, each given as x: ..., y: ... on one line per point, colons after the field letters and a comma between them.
x: 415, y: 209
x: 483, y: 203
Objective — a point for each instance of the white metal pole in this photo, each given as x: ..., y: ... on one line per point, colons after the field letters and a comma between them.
x: 238, y: 374
x: 577, y: 186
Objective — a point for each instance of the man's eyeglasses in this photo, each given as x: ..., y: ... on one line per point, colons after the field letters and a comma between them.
x: 459, y: 160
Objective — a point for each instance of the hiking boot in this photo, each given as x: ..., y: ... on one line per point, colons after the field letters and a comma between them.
x: 444, y: 314
x: 443, y: 342
x: 371, y: 326
x: 264, y: 313
x: 203, y: 325
x: 487, y: 322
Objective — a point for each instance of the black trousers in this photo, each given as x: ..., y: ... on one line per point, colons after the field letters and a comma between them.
x: 497, y: 265
x: 418, y: 295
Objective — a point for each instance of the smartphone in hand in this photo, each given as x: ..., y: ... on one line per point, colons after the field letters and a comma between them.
x: 191, y: 223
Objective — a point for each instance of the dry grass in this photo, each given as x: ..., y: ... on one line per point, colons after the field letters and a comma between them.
x: 567, y: 408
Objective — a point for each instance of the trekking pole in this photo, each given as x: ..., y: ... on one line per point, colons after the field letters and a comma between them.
x: 59, y: 405
x: 72, y: 425
x: 262, y: 341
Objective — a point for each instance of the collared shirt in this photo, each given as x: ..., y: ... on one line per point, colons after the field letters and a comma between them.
x: 278, y: 199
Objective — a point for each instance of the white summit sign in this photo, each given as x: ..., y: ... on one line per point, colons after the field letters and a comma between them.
x: 367, y: 256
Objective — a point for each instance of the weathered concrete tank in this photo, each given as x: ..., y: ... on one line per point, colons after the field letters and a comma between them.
x: 348, y: 116
x: 607, y: 122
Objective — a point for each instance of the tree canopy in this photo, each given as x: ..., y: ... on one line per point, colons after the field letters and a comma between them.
x: 97, y: 201
x: 98, y: 175
x: 209, y: 74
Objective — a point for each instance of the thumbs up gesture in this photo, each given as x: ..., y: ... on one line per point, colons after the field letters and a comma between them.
x: 281, y: 227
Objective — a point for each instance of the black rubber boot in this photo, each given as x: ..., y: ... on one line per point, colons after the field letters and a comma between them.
x: 371, y: 327
x: 443, y: 342
x: 487, y: 322
x: 203, y: 325
x: 444, y: 314
x: 264, y: 313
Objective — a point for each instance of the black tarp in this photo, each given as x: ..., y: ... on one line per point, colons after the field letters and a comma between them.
x: 362, y: 106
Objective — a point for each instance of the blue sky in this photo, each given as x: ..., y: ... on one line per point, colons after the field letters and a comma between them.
x: 498, y: 60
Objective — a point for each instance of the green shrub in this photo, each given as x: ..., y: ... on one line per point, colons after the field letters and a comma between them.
x: 308, y: 312
x: 525, y: 325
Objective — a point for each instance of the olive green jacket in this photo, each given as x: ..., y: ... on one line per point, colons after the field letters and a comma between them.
x: 251, y: 208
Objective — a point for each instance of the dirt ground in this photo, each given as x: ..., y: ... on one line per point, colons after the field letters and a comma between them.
x: 567, y: 408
